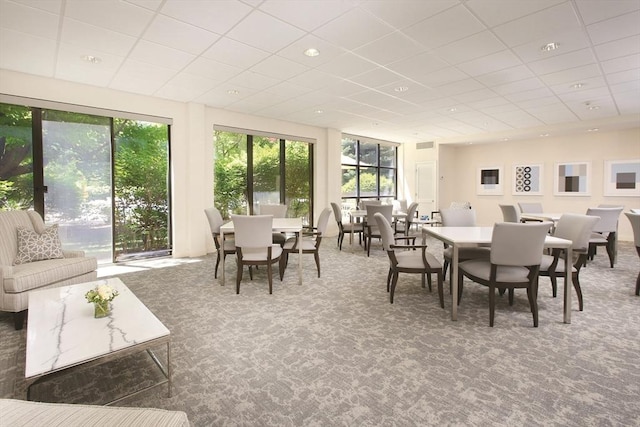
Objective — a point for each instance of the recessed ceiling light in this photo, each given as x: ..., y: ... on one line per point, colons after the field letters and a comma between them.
x: 504, y: 139
x: 593, y: 130
x: 544, y: 135
x: 593, y: 107
x: 452, y: 109
x: 549, y: 47
x: 319, y: 111
x: 92, y: 59
x: 401, y: 89
x: 577, y: 85
x: 232, y: 92
x: 311, y: 52
x: 375, y: 124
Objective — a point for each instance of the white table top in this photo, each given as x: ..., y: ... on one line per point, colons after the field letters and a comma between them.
x: 62, y: 332
x: 481, y: 235
x: 279, y: 224
x: 358, y: 213
x: 544, y: 216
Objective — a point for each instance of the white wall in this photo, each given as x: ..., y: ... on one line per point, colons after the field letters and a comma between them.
x: 458, y: 169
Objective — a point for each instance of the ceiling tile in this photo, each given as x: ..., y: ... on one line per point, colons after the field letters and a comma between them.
x: 252, y: 80
x: 518, y: 86
x: 460, y: 87
x: 403, y: 13
x: 353, y: 29
x: 209, y: 68
x: 309, y: 14
x: 70, y: 66
x: 594, y: 11
x: 116, y: 16
x: 446, y: 27
x: 490, y: 63
x: 615, y: 28
x: 623, y: 76
x: 295, y: 51
x: 545, y: 24
x: 587, y: 84
x: 139, y: 77
x: 153, y: 5
x: 442, y: 77
x: 376, y: 78
x: 218, y: 16
x: 572, y: 75
x: 563, y: 62
x: 28, y: 20
x: 347, y: 65
x: 186, y: 87
x: 279, y: 68
x: 496, y: 12
x: 526, y: 95
x: 390, y: 48
x: 161, y: 56
x: 179, y: 35
x: 508, y: 75
x: 53, y: 6
x: 281, y: 34
x: 617, y: 48
x: 234, y: 53
x: 315, y: 79
x: 96, y: 39
x: 418, y: 65
x: 472, y: 47
x: 26, y: 53
x: 621, y: 64
x: 569, y: 41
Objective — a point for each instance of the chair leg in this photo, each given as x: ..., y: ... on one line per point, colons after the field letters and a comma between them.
x: 492, y: 304
x: 281, y: 267
x: 554, y: 284
x: 428, y: 281
x: 269, y: 272
x: 239, y: 277
x: 215, y: 275
x: 18, y: 319
x: 511, y: 292
x: 531, y: 293
x: 444, y: 270
x: 611, y: 243
x: 460, y: 285
x: 368, y: 245
x: 394, y: 282
x: 316, y: 255
x: 638, y: 285
x: 576, y: 286
x: 440, y: 291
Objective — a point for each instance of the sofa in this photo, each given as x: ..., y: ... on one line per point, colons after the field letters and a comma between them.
x: 20, y: 413
x: 31, y: 258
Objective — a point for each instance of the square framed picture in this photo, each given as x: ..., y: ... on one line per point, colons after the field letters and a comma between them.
x: 490, y: 180
x: 527, y: 180
x: 622, y: 178
x: 572, y: 179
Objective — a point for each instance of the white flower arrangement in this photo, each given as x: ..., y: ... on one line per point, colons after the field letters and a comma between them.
x: 101, y: 294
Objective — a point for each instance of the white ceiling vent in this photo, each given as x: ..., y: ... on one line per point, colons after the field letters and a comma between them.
x: 424, y: 145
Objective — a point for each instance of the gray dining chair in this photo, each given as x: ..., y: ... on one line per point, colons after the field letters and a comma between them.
x: 371, y: 229
x: 223, y: 248
x: 605, y: 231
x: 407, y: 258
x: 408, y: 220
x: 576, y: 228
x: 510, y: 213
x: 507, y: 268
x: 531, y: 207
x: 634, y: 219
x: 278, y: 211
x: 351, y: 228
x: 254, y: 245
x: 310, y: 242
x: 456, y: 217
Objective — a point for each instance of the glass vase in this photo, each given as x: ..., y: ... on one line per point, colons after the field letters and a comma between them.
x: 101, y: 309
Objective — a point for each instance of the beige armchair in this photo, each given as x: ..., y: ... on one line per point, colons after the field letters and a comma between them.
x: 17, y: 280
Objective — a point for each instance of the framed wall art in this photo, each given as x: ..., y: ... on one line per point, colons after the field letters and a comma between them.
x: 490, y: 180
x: 527, y: 180
x: 622, y: 178
x: 572, y: 179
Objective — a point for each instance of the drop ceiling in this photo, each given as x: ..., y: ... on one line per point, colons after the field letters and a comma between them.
x: 452, y: 71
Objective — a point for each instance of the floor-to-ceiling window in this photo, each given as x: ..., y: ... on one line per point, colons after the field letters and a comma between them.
x: 252, y: 169
x: 103, y: 180
x: 369, y: 171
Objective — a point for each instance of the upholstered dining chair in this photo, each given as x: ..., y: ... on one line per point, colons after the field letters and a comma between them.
x: 371, y: 229
x: 408, y: 220
x: 576, y: 228
x: 530, y: 207
x: 508, y: 268
x: 605, y: 231
x: 351, y: 228
x: 363, y: 204
x: 254, y: 245
x: 223, y: 248
x: 310, y: 240
x: 634, y: 218
x: 510, y: 213
x: 455, y: 217
x: 278, y: 211
x: 407, y: 258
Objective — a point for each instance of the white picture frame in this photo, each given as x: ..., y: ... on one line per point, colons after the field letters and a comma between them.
x: 572, y: 179
x: 621, y: 178
x: 527, y: 179
x: 490, y: 181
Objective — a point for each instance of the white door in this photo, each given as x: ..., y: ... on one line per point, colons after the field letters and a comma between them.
x: 426, y: 176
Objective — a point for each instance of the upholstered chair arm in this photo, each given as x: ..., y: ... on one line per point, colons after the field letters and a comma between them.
x: 6, y: 272
x: 73, y: 254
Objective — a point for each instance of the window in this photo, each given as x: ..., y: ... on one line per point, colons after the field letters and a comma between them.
x: 250, y: 170
x: 369, y: 171
x: 103, y: 180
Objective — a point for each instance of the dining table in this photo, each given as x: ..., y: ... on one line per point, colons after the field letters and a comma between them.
x: 458, y: 237
x: 359, y: 214
x: 280, y: 225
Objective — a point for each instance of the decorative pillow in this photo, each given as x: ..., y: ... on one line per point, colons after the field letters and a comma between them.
x: 37, y: 247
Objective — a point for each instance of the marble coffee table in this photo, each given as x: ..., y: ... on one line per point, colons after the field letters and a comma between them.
x: 62, y: 332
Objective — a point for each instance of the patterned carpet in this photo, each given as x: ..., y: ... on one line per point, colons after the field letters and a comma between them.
x: 335, y: 352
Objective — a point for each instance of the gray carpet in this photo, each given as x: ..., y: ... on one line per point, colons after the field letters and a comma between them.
x: 335, y: 352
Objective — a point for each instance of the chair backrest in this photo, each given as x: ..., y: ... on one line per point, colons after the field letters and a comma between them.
x: 400, y: 205
x: 576, y: 228
x: 215, y: 219
x: 386, y: 232
x: 411, y: 210
x: 510, y: 213
x: 635, y: 211
x: 608, y: 219
x: 386, y: 210
x: 634, y: 218
x: 337, y: 213
x: 518, y: 243
x: 253, y: 231
x: 530, y: 207
x: 278, y: 211
x: 323, y: 220
x: 363, y: 203
x: 458, y: 217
